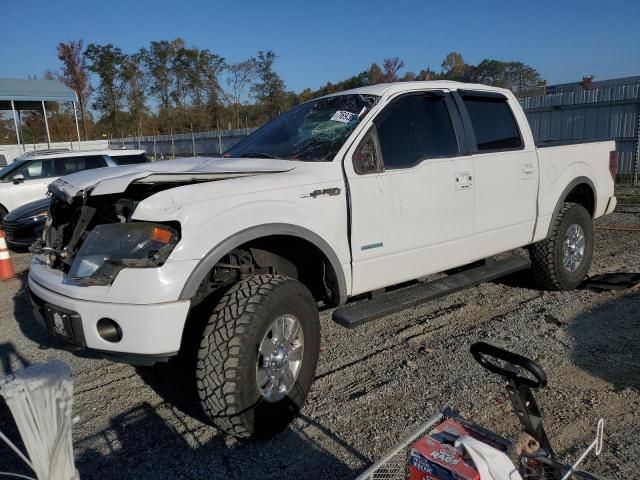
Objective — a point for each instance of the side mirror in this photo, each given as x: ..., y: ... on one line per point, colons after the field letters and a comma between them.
x: 367, y: 158
x: 19, y: 178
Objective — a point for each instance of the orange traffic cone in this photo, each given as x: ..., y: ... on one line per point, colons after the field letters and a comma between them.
x: 6, y: 267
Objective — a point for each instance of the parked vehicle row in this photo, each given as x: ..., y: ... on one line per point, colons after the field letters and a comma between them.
x: 23, y: 186
x: 27, y: 178
x: 341, y: 196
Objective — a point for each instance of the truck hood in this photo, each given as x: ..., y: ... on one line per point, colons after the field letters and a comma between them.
x: 104, y: 181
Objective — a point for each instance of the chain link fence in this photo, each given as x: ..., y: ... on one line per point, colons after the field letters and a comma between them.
x: 192, y: 144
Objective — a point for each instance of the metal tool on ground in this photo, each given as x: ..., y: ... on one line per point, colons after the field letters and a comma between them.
x: 6, y: 267
x: 613, y: 281
x: 40, y: 398
x: 538, y: 463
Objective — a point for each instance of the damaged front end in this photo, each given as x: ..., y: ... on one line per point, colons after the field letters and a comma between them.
x: 92, y: 238
x: 91, y: 234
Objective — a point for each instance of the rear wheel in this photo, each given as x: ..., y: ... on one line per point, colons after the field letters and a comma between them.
x: 561, y: 261
x: 258, y: 356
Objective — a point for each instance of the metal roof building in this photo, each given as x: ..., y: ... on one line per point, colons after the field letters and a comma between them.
x: 608, y: 111
x: 19, y: 94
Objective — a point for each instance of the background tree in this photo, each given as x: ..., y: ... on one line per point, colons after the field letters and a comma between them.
x: 7, y: 131
x: 135, y: 84
x: 169, y: 86
x: 453, y: 67
x: 269, y: 90
x: 426, y: 74
x: 158, y: 60
x: 106, y: 61
x: 75, y: 75
x: 239, y: 77
x: 515, y: 76
x: 408, y: 77
x: 375, y: 75
x: 212, y: 67
x: 391, y: 67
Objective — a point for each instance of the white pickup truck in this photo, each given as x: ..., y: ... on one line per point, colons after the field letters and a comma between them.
x: 226, y: 260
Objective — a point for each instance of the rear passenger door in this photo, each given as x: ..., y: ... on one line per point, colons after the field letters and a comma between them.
x: 506, y: 171
x: 411, y: 192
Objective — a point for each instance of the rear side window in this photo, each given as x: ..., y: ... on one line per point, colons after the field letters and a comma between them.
x: 67, y: 166
x: 415, y: 128
x: 493, y: 123
x: 130, y: 159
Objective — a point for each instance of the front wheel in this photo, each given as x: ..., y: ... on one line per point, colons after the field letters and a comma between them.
x: 561, y: 261
x: 258, y: 356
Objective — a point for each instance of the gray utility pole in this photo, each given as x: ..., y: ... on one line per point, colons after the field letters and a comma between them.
x: 155, y: 157
x: 15, y: 121
x: 637, y: 162
x: 46, y: 124
x: 75, y: 116
x: 193, y: 141
x: 173, y: 145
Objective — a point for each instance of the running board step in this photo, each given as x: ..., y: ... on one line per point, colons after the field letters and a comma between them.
x: 366, y: 311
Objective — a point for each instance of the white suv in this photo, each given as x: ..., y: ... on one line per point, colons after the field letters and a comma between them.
x: 27, y: 178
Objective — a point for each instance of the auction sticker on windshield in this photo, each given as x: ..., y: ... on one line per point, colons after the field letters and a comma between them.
x: 344, y: 117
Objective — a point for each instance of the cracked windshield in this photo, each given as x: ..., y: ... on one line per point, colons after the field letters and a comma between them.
x: 311, y: 132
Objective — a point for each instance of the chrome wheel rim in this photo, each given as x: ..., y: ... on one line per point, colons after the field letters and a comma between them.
x: 573, y: 247
x: 280, y: 358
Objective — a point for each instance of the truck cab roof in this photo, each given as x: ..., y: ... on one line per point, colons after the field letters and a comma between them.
x: 386, y: 89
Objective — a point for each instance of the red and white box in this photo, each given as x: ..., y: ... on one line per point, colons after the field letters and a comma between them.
x: 433, y: 460
x: 435, y: 457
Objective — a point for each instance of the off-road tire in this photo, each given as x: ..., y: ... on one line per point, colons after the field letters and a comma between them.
x: 548, y: 270
x: 226, y: 360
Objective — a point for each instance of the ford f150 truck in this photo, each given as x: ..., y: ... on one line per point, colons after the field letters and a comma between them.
x: 227, y: 259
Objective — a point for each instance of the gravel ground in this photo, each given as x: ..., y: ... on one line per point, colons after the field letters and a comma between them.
x: 374, y: 384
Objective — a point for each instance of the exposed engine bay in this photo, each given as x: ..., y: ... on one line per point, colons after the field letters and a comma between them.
x: 70, y: 223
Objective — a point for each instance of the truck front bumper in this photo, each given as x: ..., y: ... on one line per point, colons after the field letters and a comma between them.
x: 146, y: 333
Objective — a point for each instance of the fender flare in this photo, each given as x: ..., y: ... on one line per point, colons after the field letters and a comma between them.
x: 565, y: 193
x: 253, y: 233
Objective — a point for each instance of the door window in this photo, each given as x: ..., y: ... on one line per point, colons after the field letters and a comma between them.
x: 130, y: 159
x: 493, y: 123
x: 36, y: 169
x: 67, y: 166
x: 415, y: 128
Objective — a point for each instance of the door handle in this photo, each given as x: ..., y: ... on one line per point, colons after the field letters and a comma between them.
x: 528, y: 168
x: 464, y: 181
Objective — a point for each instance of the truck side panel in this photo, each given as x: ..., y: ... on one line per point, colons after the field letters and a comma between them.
x: 560, y: 166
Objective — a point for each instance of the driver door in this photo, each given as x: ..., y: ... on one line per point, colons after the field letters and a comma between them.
x: 411, y: 192
x: 37, y: 175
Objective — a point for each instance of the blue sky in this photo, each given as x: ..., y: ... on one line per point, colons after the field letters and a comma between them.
x: 330, y: 40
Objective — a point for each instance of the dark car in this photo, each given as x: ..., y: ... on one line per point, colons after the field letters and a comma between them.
x: 24, y: 225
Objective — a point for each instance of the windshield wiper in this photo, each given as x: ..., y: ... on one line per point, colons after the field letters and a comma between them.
x: 257, y: 155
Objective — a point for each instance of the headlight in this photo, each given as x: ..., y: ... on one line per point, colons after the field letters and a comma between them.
x: 39, y: 217
x: 112, y: 247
